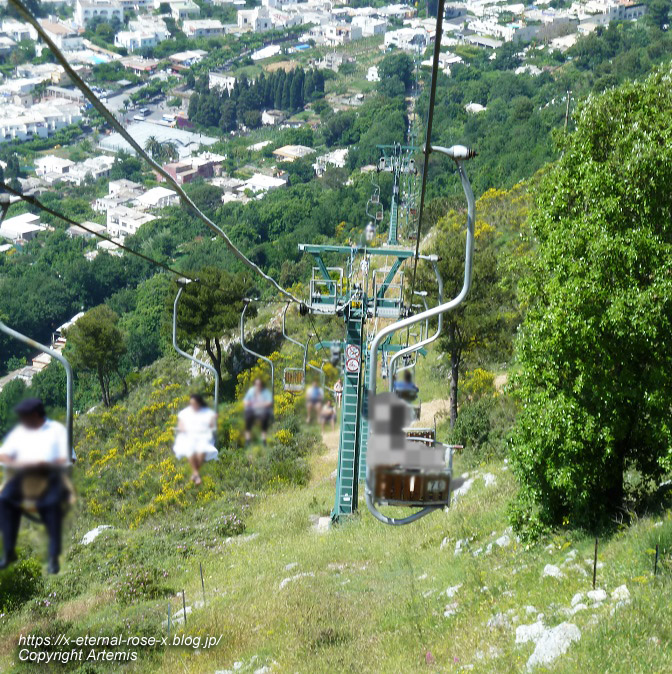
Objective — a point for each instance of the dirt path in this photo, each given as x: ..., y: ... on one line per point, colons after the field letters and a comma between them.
x: 431, y: 409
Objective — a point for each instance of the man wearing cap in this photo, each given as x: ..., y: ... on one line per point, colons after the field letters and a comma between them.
x: 34, y: 454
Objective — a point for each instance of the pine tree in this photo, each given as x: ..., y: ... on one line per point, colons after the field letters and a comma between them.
x: 286, y: 91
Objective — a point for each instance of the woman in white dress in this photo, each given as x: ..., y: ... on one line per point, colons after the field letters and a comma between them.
x: 195, y: 435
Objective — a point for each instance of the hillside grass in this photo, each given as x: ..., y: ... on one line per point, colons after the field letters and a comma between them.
x: 374, y: 599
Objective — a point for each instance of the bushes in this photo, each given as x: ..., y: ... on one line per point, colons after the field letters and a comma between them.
x: 19, y: 584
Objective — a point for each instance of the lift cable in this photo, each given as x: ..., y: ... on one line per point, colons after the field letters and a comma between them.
x: 428, y: 134
x: 47, y: 209
x: 109, y: 117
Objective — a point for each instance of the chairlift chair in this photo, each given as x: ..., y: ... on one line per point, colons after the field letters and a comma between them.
x: 293, y: 378
x: 420, y: 477
x: 29, y: 502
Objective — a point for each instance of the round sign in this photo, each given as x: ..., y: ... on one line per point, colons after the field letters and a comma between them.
x: 352, y: 351
x: 352, y: 365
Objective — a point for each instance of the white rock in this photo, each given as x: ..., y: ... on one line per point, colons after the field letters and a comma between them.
x: 458, y: 546
x: 461, y: 491
x: 553, y: 643
x: 488, y: 549
x: 577, y: 598
x: 658, y: 524
x: 476, y: 553
x: 550, y: 548
x: 597, y: 596
x: 237, y: 666
x: 499, y: 620
x: 262, y: 670
x: 551, y: 571
x: 490, y: 479
x: 590, y: 563
x: 654, y: 640
x: 571, y: 555
x: 530, y: 609
x: 444, y: 543
x: 577, y: 608
x: 322, y: 525
x: 621, y: 593
x: 422, y: 577
x: 91, y: 536
x: 503, y: 541
x: 450, y: 610
x: 291, y: 579
x: 452, y: 591
x: 533, y: 632
x: 291, y: 565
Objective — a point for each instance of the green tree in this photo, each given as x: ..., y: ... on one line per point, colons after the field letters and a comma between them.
x: 97, y: 346
x: 478, y: 325
x: 595, y: 351
x: 210, y: 309
x: 10, y: 396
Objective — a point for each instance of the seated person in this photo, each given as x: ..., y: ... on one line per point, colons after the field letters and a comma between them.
x: 196, y: 425
x: 406, y: 389
x: 35, y: 454
x: 327, y: 415
x: 258, y: 403
x: 314, y: 398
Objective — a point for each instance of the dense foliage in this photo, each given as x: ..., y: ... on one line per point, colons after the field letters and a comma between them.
x: 596, y: 346
x: 281, y: 90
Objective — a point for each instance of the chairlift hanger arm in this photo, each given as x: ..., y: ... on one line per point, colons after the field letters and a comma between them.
x: 419, y: 346
x: 389, y: 277
x: 188, y: 356
x: 458, y: 153
x: 68, y: 377
x: 254, y: 353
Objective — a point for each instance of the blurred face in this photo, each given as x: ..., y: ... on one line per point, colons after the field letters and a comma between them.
x: 32, y: 420
x: 258, y: 384
x: 194, y: 404
x: 316, y: 383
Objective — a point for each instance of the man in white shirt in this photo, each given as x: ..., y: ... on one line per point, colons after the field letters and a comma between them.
x: 35, y: 452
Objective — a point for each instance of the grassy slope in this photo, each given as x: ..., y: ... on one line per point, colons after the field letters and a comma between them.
x: 375, y: 601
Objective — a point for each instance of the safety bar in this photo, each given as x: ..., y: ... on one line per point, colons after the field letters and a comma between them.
x: 458, y: 153
x: 426, y: 341
x: 254, y: 353
x: 183, y: 283
x: 68, y: 377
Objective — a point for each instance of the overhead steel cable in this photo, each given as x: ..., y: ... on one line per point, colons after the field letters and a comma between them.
x: 428, y: 134
x: 109, y: 117
x: 61, y: 216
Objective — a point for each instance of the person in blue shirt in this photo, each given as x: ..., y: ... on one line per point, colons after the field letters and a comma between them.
x: 258, y: 404
x: 314, y: 400
x: 406, y: 389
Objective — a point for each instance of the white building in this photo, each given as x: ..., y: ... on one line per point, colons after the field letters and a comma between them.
x: 157, y: 197
x: 145, y: 32
x: 52, y: 164
x: 335, y: 34
x: 221, y: 81
x: 24, y: 227
x: 17, y: 30
x: 407, y: 39
x: 90, y: 169
x: 370, y: 26
x: 262, y: 183
x: 42, y: 119
x: 185, y: 9
x: 86, y: 10
x: 64, y: 36
x: 256, y: 20
x: 203, y: 28
x: 123, y: 221
x: 337, y: 158
x: 372, y: 74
